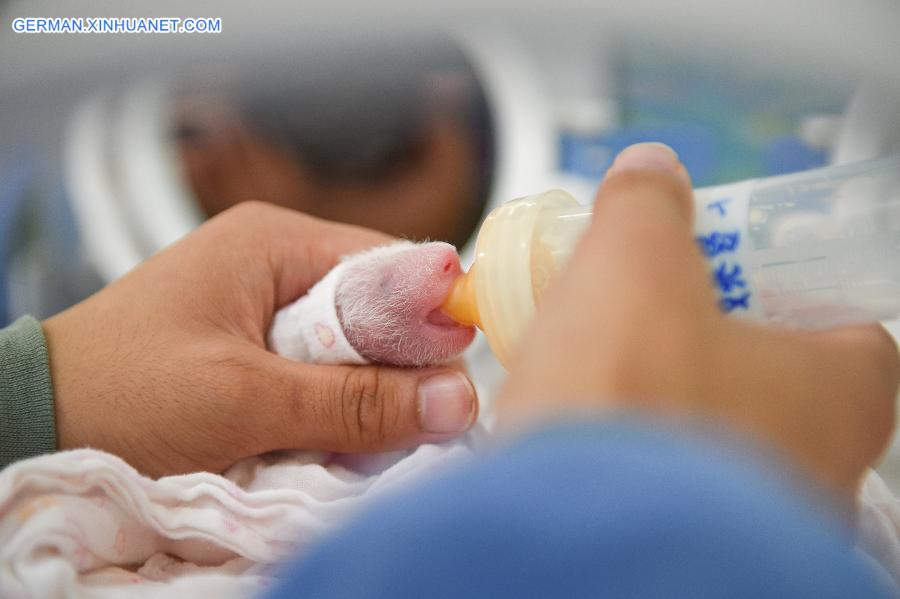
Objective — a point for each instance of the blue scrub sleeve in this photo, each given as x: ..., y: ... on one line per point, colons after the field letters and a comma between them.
x: 620, y: 508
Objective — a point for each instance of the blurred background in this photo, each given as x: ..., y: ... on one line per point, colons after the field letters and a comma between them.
x: 410, y: 119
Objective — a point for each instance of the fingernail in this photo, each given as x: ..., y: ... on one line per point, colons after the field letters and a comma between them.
x: 446, y: 403
x: 646, y: 156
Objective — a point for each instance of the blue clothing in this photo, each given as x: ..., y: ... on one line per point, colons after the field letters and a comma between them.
x: 616, y: 509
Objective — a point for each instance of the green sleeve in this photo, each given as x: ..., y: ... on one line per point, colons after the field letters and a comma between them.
x: 27, y: 420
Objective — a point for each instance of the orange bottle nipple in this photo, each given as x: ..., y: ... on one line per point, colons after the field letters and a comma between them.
x: 461, y: 304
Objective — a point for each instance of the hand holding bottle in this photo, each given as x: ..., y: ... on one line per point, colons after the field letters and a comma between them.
x: 632, y: 323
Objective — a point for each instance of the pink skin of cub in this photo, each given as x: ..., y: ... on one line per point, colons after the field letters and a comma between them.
x: 388, y: 302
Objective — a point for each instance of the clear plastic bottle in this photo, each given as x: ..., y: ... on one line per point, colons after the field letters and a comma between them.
x: 815, y: 250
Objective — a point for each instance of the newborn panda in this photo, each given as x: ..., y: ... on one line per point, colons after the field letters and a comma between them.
x: 381, y: 305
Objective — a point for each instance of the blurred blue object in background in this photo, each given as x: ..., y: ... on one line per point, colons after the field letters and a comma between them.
x: 14, y: 179
x: 789, y: 154
x: 590, y: 156
x: 726, y: 125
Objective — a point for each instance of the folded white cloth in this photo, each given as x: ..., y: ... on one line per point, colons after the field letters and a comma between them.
x: 84, y: 523
x: 878, y: 525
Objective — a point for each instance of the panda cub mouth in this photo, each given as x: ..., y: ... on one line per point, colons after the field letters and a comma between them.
x: 438, y: 318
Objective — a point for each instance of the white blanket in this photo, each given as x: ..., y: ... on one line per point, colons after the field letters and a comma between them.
x: 84, y: 523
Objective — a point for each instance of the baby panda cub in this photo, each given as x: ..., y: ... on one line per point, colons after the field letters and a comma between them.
x: 381, y: 305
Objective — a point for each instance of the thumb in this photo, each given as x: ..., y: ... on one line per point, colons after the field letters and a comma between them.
x: 365, y: 408
x: 642, y: 234
x: 632, y: 295
x: 649, y: 163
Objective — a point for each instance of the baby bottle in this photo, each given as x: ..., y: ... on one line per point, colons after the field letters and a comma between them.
x: 814, y: 250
